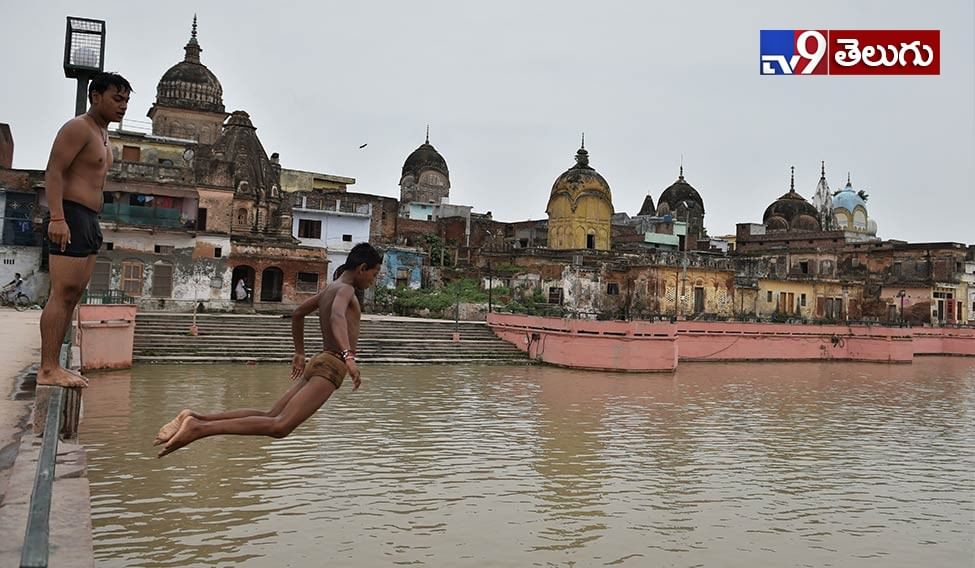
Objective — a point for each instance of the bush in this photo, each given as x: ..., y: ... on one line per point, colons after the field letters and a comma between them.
x: 408, y: 300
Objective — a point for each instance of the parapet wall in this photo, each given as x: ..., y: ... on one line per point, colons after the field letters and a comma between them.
x: 644, y: 346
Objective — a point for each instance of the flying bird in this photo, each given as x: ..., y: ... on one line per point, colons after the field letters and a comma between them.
x: 363, y: 146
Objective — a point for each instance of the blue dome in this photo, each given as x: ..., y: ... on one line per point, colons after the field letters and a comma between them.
x: 848, y: 199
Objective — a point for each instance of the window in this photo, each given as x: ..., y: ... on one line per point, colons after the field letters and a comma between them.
x: 613, y: 289
x: 162, y: 281
x: 802, y: 300
x: 164, y: 249
x: 307, y: 282
x: 347, y: 238
x: 308, y: 229
x: 804, y: 267
x: 101, y: 277
x: 109, y: 245
x: 165, y: 162
x: 555, y: 295
x: 217, y: 252
x: 132, y: 277
x: 769, y: 298
x: 590, y: 241
x: 402, y: 277
x: 131, y: 153
x: 9, y: 261
x: 201, y: 219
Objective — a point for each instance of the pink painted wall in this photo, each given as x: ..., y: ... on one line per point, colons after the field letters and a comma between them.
x: 735, y: 341
x: 106, y: 333
x: 944, y: 341
x: 582, y: 344
x: 644, y: 346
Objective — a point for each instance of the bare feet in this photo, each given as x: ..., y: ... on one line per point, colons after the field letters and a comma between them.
x: 61, y: 377
x: 188, y: 432
x: 171, y: 427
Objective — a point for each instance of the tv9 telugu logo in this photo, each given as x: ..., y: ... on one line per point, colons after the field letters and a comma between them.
x: 850, y: 52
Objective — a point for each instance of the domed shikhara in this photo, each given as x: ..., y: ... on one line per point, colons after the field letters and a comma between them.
x: 425, y: 177
x: 683, y: 202
x: 190, y: 84
x: 850, y: 211
x: 189, y: 99
x: 791, y: 212
x: 580, y: 208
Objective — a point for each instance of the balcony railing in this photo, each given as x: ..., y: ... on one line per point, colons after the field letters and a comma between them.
x: 150, y: 172
x: 126, y: 214
x: 315, y: 204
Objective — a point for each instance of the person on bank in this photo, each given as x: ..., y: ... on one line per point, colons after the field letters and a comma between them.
x: 74, y: 181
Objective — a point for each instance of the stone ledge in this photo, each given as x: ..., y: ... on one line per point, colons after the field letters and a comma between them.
x: 73, y: 411
x: 70, y: 522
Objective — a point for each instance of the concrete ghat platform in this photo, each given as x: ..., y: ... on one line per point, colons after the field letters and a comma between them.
x: 644, y: 346
x: 71, y: 537
x: 638, y: 347
x: 732, y: 341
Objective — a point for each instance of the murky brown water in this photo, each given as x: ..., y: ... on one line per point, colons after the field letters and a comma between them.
x: 719, y: 465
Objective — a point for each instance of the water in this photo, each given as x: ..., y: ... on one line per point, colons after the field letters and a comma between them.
x: 800, y: 464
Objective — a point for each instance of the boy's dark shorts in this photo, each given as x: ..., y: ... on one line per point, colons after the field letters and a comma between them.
x: 86, y: 235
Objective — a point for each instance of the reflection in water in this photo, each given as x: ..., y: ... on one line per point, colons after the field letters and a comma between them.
x: 799, y: 464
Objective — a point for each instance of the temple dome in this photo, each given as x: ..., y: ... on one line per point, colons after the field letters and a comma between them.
x: 848, y: 199
x: 190, y: 84
x: 581, y: 180
x: 681, y: 191
x: 799, y: 214
x: 426, y: 157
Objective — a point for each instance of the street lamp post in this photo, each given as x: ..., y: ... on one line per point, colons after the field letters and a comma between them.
x: 687, y: 234
x: 84, y: 55
x: 490, y: 288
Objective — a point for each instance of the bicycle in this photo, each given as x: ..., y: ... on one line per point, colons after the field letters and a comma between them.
x: 18, y: 300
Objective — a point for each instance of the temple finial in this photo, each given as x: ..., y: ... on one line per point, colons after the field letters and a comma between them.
x: 848, y: 178
x: 192, y: 47
x: 583, y: 140
x: 822, y: 171
x: 428, y: 134
x: 681, y: 176
x: 792, y: 181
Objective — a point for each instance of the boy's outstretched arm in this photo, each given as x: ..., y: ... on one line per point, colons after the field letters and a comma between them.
x: 298, y: 333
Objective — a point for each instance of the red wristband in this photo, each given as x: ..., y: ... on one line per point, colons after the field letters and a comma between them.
x: 58, y: 219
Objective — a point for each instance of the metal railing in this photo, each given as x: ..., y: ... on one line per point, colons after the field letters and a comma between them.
x: 37, y: 536
x: 106, y: 297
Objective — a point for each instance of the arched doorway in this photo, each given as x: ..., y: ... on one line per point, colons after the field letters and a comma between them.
x: 243, y: 274
x: 272, y: 280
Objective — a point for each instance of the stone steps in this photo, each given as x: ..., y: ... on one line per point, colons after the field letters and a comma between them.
x: 248, y: 338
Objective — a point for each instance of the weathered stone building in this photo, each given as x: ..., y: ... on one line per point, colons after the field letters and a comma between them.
x: 424, y: 182
x: 196, y: 206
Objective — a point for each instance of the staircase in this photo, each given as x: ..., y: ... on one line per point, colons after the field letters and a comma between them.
x: 164, y: 337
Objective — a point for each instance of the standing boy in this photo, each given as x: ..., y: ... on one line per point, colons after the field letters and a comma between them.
x: 73, y: 182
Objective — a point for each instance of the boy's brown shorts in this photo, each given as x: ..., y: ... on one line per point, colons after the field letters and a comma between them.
x: 327, y: 365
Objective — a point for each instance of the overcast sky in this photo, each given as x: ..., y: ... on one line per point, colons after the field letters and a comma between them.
x: 507, y: 88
